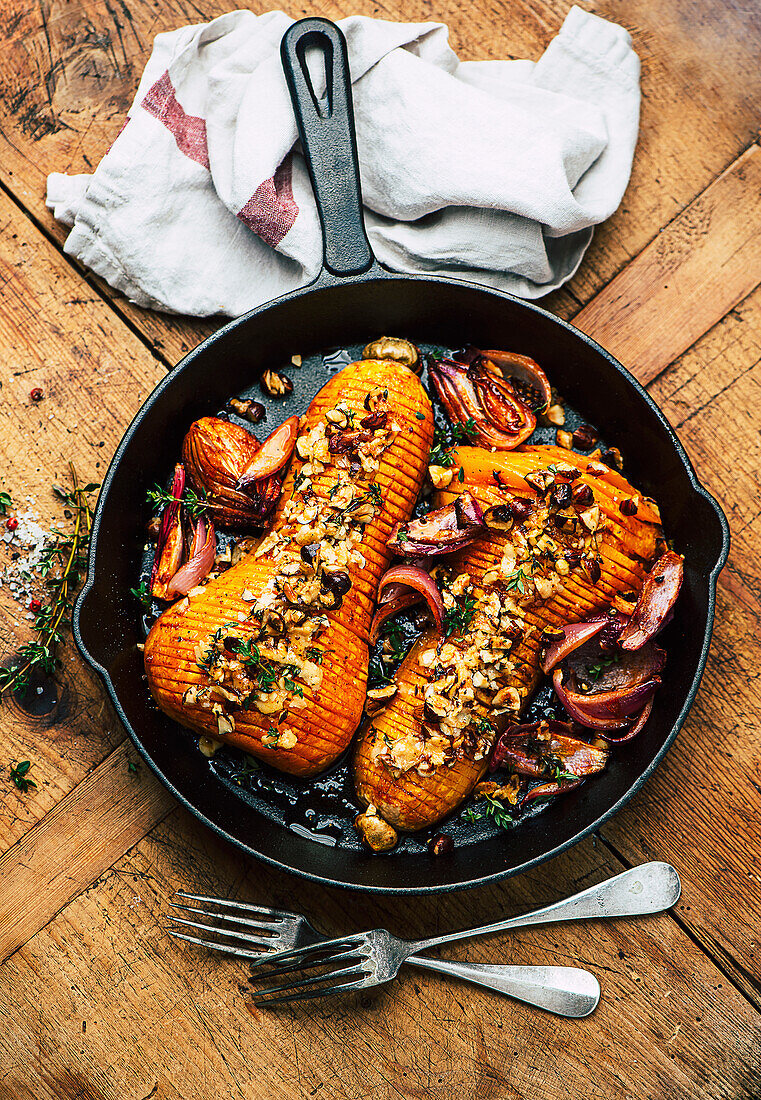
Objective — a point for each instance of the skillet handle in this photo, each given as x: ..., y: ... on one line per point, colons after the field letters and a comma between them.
x: 326, y: 129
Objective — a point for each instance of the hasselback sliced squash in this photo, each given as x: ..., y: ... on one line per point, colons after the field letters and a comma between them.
x: 400, y: 767
x: 272, y: 655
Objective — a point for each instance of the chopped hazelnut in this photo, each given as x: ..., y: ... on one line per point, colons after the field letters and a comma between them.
x: 276, y: 384
x: 376, y: 833
x: 440, y: 476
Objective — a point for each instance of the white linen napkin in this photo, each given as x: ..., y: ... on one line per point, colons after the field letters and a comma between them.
x: 493, y: 171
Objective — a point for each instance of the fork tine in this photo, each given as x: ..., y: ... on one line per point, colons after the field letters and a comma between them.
x: 307, y: 952
x: 261, y: 940
x: 244, y: 921
x: 310, y: 995
x: 276, y: 971
x: 312, y: 981
x: 247, y: 922
x: 225, y: 903
x: 227, y: 948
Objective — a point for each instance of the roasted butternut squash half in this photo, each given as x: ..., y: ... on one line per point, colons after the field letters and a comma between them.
x: 568, y: 537
x: 272, y: 655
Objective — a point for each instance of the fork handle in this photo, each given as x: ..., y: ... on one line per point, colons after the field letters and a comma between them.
x: 649, y: 888
x: 564, y: 990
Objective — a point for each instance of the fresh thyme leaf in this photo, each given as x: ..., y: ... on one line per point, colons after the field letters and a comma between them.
x: 5, y: 503
x: 193, y: 504
x: 250, y: 767
x: 465, y: 431
x: 461, y: 474
x: 442, y: 448
x: 20, y: 775
x: 61, y: 565
x: 490, y: 808
x: 141, y: 593
x: 457, y: 618
x: 515, y: 581
x: 132, y: 767
x: 595, y: 671
x: 420, y: 416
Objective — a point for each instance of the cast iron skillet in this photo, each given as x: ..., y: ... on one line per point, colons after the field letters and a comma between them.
x: 353, y: 300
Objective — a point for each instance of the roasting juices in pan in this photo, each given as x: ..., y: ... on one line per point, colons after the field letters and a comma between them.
x: 528, y: 564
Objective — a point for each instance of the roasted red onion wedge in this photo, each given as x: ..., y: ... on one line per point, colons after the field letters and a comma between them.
x: 527, y: 750
x: 478, y: 394
x: 655, y: 602
x: 571, y: 638
x: 442, y: 531
x: 200, y: 563
x: 388, y: 610
x: 526, y: 377
x: 395, y: 587
x: 638, y: 726
x: 549, y: 790
x: 273, y: 455
x: 170, y: 542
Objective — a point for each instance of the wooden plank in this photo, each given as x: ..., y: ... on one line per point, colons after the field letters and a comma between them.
x: 699, y: 267
x: 702, y: 808
x: 69, y: 71
x: 102, y: 1004
x: 82, y: 836
x: 59, y: 336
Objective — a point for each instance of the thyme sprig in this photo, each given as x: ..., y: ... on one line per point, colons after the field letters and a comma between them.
x: 492, y: 808
x: 457, y: 618
x: 20, y: 775
x: 62, y: 565
x: 194, y: 504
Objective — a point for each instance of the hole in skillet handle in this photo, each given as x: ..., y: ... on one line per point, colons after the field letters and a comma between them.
x: 326, y: 128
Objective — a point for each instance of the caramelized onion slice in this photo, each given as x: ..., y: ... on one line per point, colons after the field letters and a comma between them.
x: 611, y: 711
x: 528, y: 375
x: 521, y: 748
x: 398, y: 581
x: 391, y: 608
x: 655, y: 602
x: 273, y: 455
x: 200, y: 563
x: 170, y: 543
x: 638, y: 726
x: 549, y: 790
x: 477, y: 393
x: 573, y: 636
x: 442, y: 531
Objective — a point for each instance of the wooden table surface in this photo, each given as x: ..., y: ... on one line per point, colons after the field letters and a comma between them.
x: 96, y: 1001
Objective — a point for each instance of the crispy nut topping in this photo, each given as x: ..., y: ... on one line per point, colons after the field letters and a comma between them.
x: 585, y: 437
x: 441, y: 845
x: 376, y: 832
x: 440, y: 476
x: 392, y: 347
x: 252, y: 410
x: 556, y: 415
x: 276, y: 384
x: 564, y: 439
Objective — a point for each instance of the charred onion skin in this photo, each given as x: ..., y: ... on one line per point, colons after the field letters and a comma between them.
x: 497, y: 393
x: 442, y: 531
x: 333, y: 710
x: 216, y: 453
x: 412, y: 801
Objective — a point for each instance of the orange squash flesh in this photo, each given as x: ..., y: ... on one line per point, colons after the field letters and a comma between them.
x: 332, y: 710
x: 411, y: 800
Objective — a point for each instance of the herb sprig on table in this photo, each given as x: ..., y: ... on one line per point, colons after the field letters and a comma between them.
x: 62, y: 565
x: 490, y: 808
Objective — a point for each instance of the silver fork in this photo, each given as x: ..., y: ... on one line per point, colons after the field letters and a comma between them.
x: 290, y: 943
x: 564, y: 990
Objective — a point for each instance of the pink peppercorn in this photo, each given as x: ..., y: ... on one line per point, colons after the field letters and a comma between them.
x: 35, y: 605
x: 36, y: 394
x: 12, y: 523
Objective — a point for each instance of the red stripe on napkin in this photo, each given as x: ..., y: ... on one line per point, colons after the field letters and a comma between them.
x: 188, y: 131
x: 272, y: 210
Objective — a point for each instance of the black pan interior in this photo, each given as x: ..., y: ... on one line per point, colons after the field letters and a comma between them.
x: 435, y: 312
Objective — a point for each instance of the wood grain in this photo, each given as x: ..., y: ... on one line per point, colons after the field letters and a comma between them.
x: 70, y: 71
x: 99, y: 1003
x: 81, y: 837
x: 699, y: 268
x: 152, y: 1013
x: 702, y: 808
x: 94, y: 373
